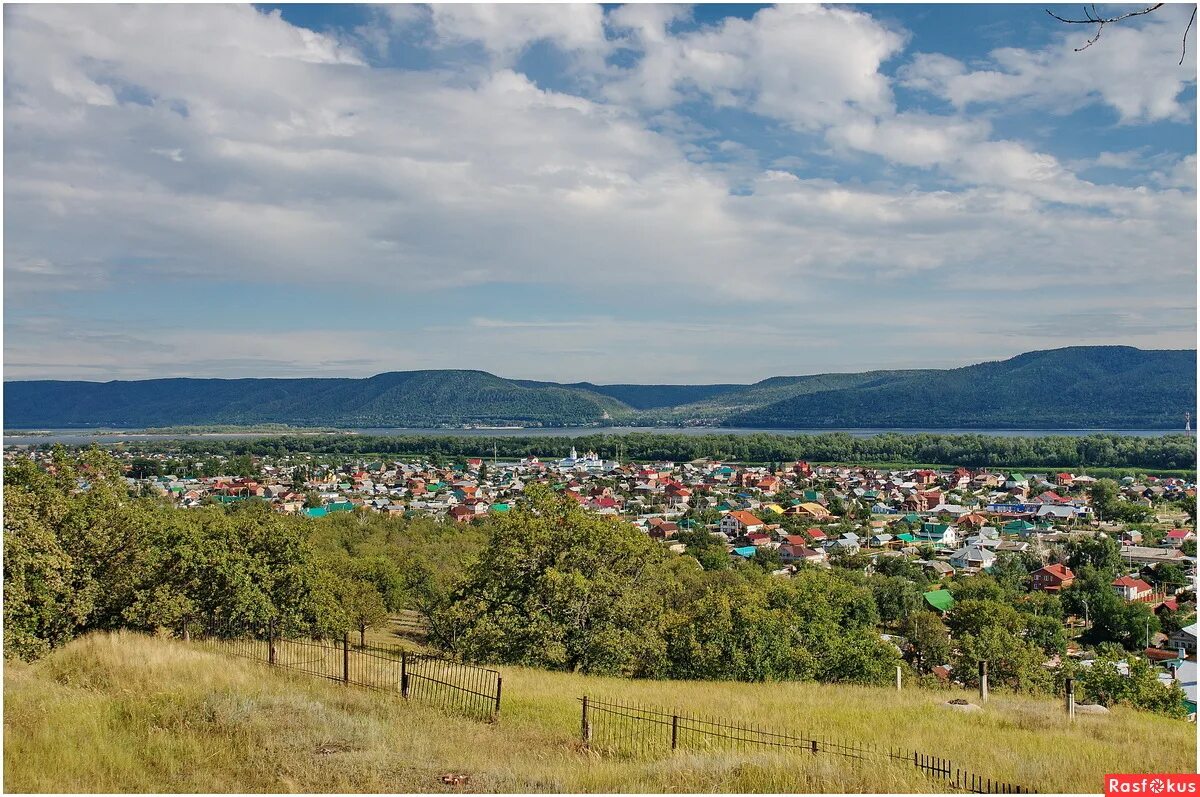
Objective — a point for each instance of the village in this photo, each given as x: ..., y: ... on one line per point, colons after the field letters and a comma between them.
x: 949, y: 523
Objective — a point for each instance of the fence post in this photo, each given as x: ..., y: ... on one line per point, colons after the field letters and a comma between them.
x: 983, y: 682
x: 499, y: 686
x: 674, y: 731
x: 814, y: 746
x: 899, y: 678
x: 403, y: 674
x: 345, y: 657
x: 1071, y: 698
x: 586, y: 726
x: 272, y: 654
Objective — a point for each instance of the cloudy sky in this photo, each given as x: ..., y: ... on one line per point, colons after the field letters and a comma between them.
x: 635, y: 193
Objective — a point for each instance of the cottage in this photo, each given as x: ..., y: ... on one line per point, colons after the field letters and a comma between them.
x: 1177, y: 537
x: 972, y: 557
x: 1132, y: 589
x: 1052, y: 578
x: 1184, y: 639
x: 739, y: 522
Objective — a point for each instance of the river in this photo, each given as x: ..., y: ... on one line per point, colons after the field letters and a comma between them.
x: 109, y: 436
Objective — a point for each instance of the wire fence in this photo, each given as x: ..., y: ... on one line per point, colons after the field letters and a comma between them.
x: 639, y: 731
x: 451, y: 685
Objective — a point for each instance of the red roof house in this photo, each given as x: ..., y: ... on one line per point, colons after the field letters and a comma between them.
x: 1052, y: 578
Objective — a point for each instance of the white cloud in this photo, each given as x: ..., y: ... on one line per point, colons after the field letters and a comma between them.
x: 506, y: 30
x: 1133, y: 69
x: 217, y: 143
x: 807, y: 65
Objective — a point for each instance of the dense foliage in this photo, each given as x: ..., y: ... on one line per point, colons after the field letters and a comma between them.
x: 567, y: 589
x: 81, y: 554
x: 970, y: 450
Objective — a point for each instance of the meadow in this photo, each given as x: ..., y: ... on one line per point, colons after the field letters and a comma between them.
x: 123, y: 712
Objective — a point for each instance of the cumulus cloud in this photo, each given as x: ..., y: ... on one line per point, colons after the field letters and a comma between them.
x: 804, y: 64
x: 1132, y: 69
x: 195, y: 144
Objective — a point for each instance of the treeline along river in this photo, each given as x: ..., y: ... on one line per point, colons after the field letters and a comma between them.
x: 1108, y: 450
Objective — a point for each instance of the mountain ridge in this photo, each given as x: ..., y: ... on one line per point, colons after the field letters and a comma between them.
x: 1071, y: 387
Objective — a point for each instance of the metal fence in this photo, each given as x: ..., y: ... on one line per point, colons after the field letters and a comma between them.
x: 637, y: 730
x: 463, y: 688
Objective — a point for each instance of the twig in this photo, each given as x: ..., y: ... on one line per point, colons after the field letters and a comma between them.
x: 1185, y: 35
x: 1092, y: 17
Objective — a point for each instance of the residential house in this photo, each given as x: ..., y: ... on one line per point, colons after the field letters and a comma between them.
x: 1052, y: 578
x: 1132, y: 589
x: 1184, y: 639
x: 972, y: 557
x: 1177, y: 537
x: 739, y: 522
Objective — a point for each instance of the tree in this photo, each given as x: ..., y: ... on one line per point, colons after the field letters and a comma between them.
x: 142, y: 468
x: 363, y: 607
x: 564, y: 589
x: 929, y: 638
x: 1013, y: 663
x: 896, y: 598
x: 1102, y: 496
x: 1169, y: 574
x: 1100, y: 551
x: 767, y: 559
x: 1138, y: 686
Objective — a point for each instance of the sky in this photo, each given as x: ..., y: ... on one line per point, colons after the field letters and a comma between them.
x: 637, y: 193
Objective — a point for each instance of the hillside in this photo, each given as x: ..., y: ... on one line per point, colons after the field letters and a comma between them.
x: 1100, y: 387
x: 122, y: 712
x: 407, y: 398
x: 1081, y: 387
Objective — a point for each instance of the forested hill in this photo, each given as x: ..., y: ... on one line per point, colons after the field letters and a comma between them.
x: 405, y: 398
x: 1080, y: 387
x: 1112, y: 387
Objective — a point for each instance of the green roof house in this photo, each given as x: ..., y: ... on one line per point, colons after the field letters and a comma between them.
x: 940, y: 599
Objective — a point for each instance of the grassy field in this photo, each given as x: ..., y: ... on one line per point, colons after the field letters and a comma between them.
x: 123, y: 712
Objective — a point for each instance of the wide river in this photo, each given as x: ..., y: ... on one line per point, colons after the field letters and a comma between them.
x: 85, y: 437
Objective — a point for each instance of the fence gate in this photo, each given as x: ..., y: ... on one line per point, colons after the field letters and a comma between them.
x: 454, y: 686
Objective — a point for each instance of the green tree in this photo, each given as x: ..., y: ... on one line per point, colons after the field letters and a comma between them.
x: 1138, y: 686
x: 143, y: 468
x: 1013, y: 663
x: 1100, y: 551
x: 564, y: 589
x: 896, y: 598
x: 929, y: 638
x: 363, y: 607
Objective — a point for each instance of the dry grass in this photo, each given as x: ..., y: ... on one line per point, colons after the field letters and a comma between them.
x: 124, y: 713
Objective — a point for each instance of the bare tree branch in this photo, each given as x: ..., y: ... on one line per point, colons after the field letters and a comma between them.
x: 1092, y: 17
x: 1187, y: 30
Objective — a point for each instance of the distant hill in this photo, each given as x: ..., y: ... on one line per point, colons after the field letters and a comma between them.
x: 1113, y: 387
x: 405, y: 398
x: 1079, y: 387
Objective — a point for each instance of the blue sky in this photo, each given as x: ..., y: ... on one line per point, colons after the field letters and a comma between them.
x: 636, y: 193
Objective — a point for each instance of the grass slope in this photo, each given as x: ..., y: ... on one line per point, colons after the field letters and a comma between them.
x: 122, y: 712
